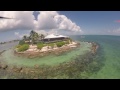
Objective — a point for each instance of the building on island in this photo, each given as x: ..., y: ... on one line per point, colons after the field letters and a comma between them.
x: 55, y: 37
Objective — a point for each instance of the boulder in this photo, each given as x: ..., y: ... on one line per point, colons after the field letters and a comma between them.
x: 36, y: 66
x: 4, y: 66
x: 17, y: 69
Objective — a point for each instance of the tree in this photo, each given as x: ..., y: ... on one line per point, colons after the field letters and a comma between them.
x: 41, y: 37
x: 34, y: 36
x: 24, y: 37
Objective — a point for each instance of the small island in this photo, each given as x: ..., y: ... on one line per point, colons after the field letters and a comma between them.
x: 40, y: 45
x: 57, y: 55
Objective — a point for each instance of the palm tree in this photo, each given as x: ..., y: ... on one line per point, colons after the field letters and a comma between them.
x: 24, y: 37
x: 34, y: 36
x: 42, y: 37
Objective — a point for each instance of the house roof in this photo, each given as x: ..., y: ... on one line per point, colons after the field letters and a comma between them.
x: 54, y: 36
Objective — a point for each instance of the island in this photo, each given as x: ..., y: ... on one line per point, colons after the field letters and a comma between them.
x: 51, y: 56
x: 40, y: 45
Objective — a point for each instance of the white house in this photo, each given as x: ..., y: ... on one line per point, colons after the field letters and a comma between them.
x: 54, y: 37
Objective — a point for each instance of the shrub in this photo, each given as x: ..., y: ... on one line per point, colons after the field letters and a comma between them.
x: 70, y: 39
x: 21, y: 42
x: 60, y: 44
x: 23, y: 47
x: 51, y: 44
x: 67, y: 42
x: 40, y: 45
x: 18, y: 46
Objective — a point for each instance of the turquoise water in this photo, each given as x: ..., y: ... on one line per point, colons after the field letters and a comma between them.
x: 110, y: 46
x: 11, y: 59
x: 108, y: 56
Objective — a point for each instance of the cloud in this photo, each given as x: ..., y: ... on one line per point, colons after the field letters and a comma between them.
x: 22, y: 20
x: 115, y: 32
x: 16, y: 33
x: 53, y: 20
x: 25, y: 20
x: 41, y: 32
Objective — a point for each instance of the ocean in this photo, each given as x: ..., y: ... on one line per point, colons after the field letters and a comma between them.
x: 108, y: 56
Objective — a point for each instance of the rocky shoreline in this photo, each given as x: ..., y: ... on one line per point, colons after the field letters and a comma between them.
x: 94, y: 48
x: 48, y: 51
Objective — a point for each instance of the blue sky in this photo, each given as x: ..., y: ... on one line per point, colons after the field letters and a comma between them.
x: 95, y: 22
x: 90, y: 22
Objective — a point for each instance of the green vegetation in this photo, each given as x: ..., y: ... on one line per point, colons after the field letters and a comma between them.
x: 34, y: 36
x: 60, y: 44
x: 51, y: 44
x: 67, y: 42
x: 18, y: 46
x: 22, y: 42
x: 70, y: 39
x: 40, y: 45
x: 37, y: 39
x: 23, y: 47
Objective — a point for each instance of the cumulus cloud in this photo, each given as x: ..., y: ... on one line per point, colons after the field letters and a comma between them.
x: 25, y: 20
x: 22, y: 20
x: 53, y: 20
x: 41, y: 32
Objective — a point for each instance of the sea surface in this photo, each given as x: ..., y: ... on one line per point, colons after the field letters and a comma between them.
x: 108, y: 55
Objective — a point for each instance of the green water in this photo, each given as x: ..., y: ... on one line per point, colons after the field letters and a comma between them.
x: 9, y: 58
x: 110, y: 46
x: 106, y: 64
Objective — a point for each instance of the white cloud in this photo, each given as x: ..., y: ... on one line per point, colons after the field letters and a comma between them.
x: 115, y: 32
x: 41, y: 32
x: 16, y: 33
x: 25, y: 20
x: 22, y: 20
x: 53, y: 20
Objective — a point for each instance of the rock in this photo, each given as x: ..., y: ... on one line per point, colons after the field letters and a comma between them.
x: 17, y: 69
x: 21, y: 71
x: 4, y: 66
x: 55, y: 46
x: 32, y: 71
x: 36, y: 66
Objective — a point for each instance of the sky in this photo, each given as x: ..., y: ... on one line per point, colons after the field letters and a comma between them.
x: 61, y: 22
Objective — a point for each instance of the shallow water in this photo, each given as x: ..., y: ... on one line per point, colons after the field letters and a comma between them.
x: 111, y: 52
x: 9, y: 58
x: 107, y: 58
x: 7, y: 46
